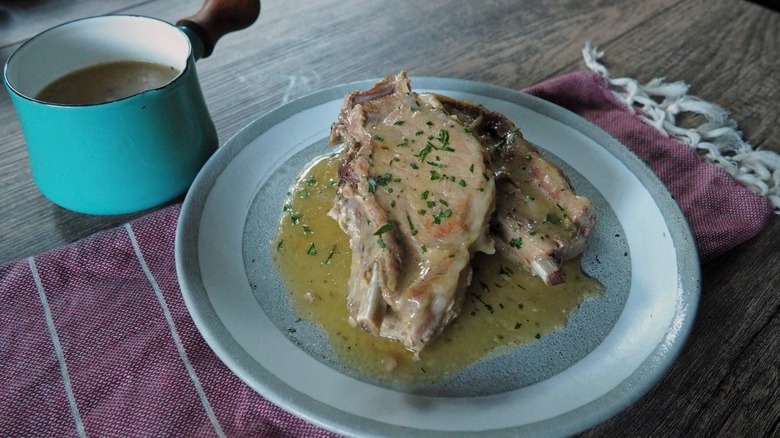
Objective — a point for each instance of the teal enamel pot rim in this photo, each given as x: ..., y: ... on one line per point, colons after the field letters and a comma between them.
x: 116, y: 157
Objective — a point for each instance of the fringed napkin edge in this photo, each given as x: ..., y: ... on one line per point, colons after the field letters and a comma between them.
x: 717, y: 140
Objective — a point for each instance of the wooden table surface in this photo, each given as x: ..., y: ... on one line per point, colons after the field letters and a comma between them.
x: 727, y: 380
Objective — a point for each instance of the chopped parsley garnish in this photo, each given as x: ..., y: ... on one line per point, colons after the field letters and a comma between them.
x: 487, y: 306
x: 444, y: 139
x: 441, y: 215
x: 380, y: 180
x: 384, y: 228
x: 425, y: 151
x: 383, y: 179
x: 412, y: 229
x: 330, y: 256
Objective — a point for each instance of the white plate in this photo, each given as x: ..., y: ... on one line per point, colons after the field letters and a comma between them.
x: 612, y: 351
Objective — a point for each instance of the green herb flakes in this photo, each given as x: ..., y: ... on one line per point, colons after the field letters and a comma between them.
x: 441, y: 215
x: 553, y: 219
x: 412, y: 229
x: 384, y: 228
x: 330, y: 256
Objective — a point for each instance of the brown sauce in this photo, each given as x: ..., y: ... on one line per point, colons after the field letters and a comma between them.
x: 504, y: 306
x: 107, y: 82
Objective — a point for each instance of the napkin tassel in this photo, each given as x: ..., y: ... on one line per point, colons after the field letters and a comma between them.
x: 717, y: 139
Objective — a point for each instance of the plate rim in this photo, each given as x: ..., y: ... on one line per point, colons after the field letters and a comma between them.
x: 640, y: 381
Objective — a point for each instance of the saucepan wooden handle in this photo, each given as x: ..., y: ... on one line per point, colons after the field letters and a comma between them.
x: 219, y: 17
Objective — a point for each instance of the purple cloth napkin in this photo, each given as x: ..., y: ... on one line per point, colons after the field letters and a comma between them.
x: 95, y: 338
x: 720, y: 211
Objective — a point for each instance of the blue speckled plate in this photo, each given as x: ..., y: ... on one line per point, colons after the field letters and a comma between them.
x: 614, y: 348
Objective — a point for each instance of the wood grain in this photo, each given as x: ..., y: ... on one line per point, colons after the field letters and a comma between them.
x: 29, y: 223
x: 726, y: 381
x: 21, y: 19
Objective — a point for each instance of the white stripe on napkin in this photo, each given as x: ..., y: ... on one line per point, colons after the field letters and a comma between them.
x: 175, y: 334
x: 55, y: 339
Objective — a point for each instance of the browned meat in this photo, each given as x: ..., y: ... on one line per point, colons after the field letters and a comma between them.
x: 539, y: 221
x: 415, y: 197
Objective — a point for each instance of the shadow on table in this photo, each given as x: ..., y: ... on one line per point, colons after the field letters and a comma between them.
x: 73, y: 226
x: 771, y: 4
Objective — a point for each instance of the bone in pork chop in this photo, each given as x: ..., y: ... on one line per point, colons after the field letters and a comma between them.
x: 539, y: 221
x: 415, y: 196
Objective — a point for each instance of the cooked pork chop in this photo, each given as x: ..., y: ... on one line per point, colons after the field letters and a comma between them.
x: 415, y: 196
x: 539, y: 221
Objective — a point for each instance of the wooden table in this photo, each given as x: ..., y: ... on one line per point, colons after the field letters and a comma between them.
x: 727, y: 380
